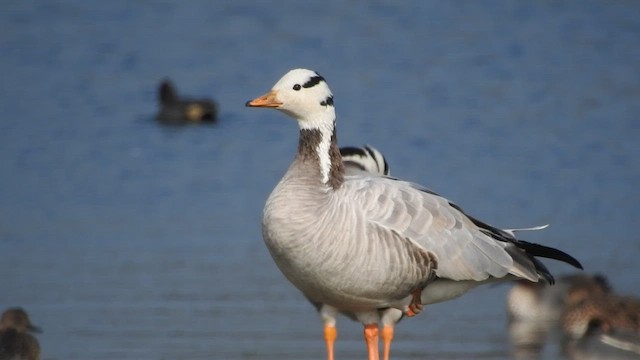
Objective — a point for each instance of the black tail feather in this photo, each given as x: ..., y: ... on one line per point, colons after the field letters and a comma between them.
x: 548, y: 252
x: 542, y: 270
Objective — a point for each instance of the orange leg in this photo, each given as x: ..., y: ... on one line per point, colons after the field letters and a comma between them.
x: 416, y: 304
x: 371, y: 336
x: 387, y: 337
x: 330, y: 336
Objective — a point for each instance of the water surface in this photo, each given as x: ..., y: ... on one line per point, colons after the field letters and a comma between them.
x: 128, y: 240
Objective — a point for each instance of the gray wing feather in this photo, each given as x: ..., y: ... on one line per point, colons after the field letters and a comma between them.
x: 431, y: 223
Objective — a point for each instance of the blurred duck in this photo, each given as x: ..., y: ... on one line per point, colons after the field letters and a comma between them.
x: 181, y: 111
x: 601, y: 326
x: 535, y: 309
x: 604, y: 312
x: 528, y: 301
x: 15, y: 341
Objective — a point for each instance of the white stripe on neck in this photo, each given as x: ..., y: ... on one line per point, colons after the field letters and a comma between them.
x: 326, y: 129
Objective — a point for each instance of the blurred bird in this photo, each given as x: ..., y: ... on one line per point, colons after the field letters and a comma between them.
x: 15, y: 341
x: 601, y: 326
x: 535, y: 309
x: 181, y: 111
x: 602, y: 313
x: 529, y: 301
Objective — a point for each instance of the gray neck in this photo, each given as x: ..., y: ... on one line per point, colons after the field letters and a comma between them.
x: 320, y: 148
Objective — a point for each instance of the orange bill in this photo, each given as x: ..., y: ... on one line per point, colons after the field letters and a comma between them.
x: 269, y: 100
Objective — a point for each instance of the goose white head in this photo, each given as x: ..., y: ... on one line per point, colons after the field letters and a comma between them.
x: 302, y: 94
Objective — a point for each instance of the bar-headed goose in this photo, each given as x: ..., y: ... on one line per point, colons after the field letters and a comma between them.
x: 360, y: 243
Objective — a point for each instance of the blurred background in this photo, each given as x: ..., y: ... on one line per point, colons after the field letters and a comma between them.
x: 130, y: 240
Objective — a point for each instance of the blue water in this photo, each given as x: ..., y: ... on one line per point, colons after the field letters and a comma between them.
x: 128, y: 240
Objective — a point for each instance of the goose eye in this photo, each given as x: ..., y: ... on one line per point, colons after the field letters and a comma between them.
x: 296, y: 87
